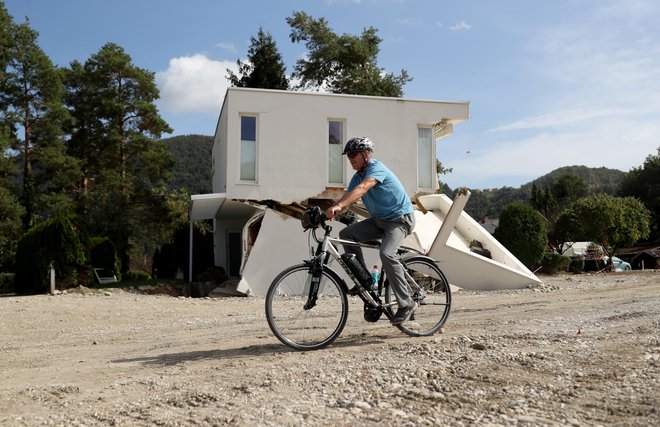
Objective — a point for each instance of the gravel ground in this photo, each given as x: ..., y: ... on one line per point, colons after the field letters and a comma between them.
x: 581, y: 350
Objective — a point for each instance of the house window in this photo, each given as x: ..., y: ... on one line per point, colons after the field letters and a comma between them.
x: 248, y: 148
x: 335, y: 147
x: 425, y: 161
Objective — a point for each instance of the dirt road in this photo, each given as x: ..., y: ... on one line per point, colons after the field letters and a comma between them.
x: 581, y: 350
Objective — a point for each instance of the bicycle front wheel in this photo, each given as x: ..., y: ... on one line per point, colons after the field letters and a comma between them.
x: 305, y: 328
x: 432, y: 293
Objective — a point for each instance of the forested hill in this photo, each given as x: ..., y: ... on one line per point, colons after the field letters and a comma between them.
x: 192, y: 169
x: 598, y: 180
x: 490, y: 202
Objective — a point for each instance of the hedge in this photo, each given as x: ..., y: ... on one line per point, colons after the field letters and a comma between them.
x: 56, y: 240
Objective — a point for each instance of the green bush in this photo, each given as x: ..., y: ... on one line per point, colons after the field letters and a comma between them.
x: 577, y: 264
x: 6, y: 283
x: 175, y: 256
x: 164, y: 264
x: 522, y: 231
x: 553, y: 262
x: 137, y: 276
x: 102, y: 253
x: 57, y: 241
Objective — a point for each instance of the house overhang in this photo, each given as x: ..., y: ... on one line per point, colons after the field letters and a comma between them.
x: 217, y: 205
x: 205, y: 206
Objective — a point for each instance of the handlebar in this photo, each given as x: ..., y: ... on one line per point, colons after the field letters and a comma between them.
x: 313, y: 218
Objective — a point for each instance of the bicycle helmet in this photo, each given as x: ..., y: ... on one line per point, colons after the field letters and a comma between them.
x: 359, y: 144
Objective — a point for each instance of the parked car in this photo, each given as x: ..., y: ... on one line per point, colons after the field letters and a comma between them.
x: 618, y: 264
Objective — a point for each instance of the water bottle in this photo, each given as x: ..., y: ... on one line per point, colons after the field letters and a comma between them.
x: 358, y: 269
x: 375, y: 275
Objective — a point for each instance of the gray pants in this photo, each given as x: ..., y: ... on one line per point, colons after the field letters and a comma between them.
x: 392, y: 234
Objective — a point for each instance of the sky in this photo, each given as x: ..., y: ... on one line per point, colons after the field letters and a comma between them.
x: 550, y: 83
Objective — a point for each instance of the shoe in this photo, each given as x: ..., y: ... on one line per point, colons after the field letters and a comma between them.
x: 403, y: 314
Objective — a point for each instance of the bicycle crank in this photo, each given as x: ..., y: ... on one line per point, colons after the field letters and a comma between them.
x: 372, y: 314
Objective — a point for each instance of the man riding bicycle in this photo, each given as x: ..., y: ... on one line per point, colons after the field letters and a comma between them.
x: 392, y: 217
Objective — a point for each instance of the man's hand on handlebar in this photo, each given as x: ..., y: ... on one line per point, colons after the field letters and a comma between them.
x: 332, y: 211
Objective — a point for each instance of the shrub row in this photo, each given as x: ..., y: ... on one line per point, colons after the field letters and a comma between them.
x: 60, y: 243
x: 6, y: 283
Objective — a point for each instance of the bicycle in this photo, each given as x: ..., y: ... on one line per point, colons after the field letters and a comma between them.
x: 307, y: 304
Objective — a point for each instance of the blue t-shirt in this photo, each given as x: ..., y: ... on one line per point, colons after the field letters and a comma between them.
x: 387, y: 199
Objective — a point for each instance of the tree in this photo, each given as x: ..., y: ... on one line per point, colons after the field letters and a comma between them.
x: 32, y: 98
x: 522, y: 231
x: 115, y: 134
x: 612, y: 222
x: 557, y: 195
x: 555, y: 198
x: 264, y: 67
x: 6, y: 23
x: 567, y: 189
x: 341, y: 64
x: 10, y: 209
x: 441, y: 170
x: 644, y: 184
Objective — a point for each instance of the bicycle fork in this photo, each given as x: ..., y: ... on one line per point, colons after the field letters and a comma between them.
x: 316, y: 270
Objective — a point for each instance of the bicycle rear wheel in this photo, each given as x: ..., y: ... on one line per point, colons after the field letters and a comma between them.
x: 433, y: 296
x: 300, y: 328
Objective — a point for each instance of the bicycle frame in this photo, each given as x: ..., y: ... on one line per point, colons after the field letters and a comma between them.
x: 327, y: 251
x: 307, y: 304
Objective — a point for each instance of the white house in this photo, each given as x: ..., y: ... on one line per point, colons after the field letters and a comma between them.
x: 277, y: 150
x: 282, y: 146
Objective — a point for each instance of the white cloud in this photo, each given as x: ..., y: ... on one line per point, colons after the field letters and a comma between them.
x: 461, y: 26
x: 194, y: 84
x: 229, y: 47
x: 609, y: 59
x: 563, y: 118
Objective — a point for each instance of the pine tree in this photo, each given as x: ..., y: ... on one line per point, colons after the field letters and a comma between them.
x: 11, y: 210
x: 264, y: 67
x: 341, y: 64
x: 6, y: 23
x: 116, y: 135
x: 32, y: 101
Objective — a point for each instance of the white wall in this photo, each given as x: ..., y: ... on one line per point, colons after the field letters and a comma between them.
x: 219, y: 153
x: 292, y: 146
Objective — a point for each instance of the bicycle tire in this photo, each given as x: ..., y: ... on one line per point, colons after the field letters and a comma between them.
x: 297, y: 327
x: 434, y: 303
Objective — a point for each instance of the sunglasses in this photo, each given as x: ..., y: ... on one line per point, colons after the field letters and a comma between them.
x: 352, y: 154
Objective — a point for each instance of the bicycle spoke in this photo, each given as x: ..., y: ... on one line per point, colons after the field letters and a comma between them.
x: 300, y: 328
x: 430, y: 289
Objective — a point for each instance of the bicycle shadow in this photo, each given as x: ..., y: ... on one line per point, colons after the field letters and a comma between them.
x: 171, y: 359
